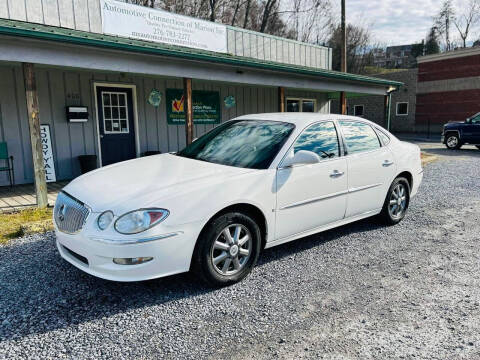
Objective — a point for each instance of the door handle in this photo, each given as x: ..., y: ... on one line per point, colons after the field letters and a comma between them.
x: 387, y: 163
x: 336, y: 174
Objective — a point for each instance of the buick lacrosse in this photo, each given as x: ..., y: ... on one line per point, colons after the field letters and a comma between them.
x: 251, y: 183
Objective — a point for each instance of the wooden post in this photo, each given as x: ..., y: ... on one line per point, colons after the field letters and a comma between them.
x: 188, y: 108
x: 343, y: 103
x: 34, y: 125
x: 281, y: 99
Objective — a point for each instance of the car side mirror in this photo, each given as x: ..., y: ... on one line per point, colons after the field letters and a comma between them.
x: 301, y: 157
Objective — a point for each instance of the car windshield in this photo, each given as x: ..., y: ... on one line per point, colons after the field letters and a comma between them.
x: 241, y: 143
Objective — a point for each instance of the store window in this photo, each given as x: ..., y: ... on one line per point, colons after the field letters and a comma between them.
x: 358, y: 110
x: 402, y: 108
x: 301, y: 105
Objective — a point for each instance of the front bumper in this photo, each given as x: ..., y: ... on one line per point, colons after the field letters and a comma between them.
x: 93, y: 255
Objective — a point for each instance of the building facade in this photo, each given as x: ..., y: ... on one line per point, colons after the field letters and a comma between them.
x: 110, y: 79
x: 403, y: 104
x: 448, y: 88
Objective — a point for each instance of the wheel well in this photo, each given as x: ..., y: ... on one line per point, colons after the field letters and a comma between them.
x: 250, y: 210
x: 407, y: 176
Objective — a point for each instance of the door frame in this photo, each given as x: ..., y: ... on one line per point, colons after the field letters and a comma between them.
x: 133, y: 87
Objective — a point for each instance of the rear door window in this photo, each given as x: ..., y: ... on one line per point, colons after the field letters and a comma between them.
x: 359, y: 136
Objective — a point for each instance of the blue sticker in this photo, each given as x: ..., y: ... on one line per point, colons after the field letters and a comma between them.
x: 155, y: 98
x: 229, y: 101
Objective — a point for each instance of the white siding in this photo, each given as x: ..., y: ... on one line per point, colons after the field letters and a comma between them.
x: 85, y: 15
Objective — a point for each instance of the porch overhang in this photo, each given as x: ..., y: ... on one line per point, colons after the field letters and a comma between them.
x: 39, y: 44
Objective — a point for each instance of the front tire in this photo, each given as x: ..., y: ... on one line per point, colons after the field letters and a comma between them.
x: 452, y: 142
x: 396, y: 202
x: 227, y: 249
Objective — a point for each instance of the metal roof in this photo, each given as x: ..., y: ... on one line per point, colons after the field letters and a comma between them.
x: 53, y: 33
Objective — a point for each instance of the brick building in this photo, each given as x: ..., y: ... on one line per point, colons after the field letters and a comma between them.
x: 448, y: 88
x: 402, y: 115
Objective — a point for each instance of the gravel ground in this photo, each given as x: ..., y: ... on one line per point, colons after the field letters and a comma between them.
x: 361, y: 291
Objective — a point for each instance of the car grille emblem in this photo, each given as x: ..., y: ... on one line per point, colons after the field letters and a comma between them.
x: 63, y: 210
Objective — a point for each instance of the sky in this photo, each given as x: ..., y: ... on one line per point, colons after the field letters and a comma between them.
x: 396, y: 22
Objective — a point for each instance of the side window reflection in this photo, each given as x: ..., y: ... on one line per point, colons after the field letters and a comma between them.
x: 320, y: 138
x: 359, y: 136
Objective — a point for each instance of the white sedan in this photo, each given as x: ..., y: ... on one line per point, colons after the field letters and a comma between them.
x: 251, y: 183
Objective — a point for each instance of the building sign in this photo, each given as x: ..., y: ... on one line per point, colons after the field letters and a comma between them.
x: 206, y: 107
x: 160, y: 26
x: 47, y: 151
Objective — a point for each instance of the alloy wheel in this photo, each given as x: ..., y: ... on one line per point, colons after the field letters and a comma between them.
x: 231, y: 249
x: 398, y: 201
x: 452, y: 142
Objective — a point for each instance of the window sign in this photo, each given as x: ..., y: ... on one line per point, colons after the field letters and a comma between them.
x: 206, y: 107
x: 155, y: 25
x: 47, y: 151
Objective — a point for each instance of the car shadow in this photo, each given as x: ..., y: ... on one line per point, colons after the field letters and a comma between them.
x: 41, y: 292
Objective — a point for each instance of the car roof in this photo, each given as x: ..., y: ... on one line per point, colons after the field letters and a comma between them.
x: 301, y: 120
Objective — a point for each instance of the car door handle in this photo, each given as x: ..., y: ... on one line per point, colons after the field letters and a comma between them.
x: 336, y: 174
x: 387, y: 163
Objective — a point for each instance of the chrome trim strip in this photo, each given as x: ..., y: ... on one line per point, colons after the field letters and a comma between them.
x: 329, y: 196
x: 309, y: 201
x: 136, y: 240
x: 361, y: 188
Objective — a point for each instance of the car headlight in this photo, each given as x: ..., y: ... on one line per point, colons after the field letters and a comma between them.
x: 105, y: 219
x: 137, y: 221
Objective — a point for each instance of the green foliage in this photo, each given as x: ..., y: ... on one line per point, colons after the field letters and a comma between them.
x: 432, y: 45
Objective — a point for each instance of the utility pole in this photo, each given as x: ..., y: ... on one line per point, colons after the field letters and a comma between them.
x: 343, y: 98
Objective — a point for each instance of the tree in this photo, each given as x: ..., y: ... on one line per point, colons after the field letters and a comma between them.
x: 443, y: 21
x: 418, y: 49
x: 431, y: 45
x: 358, y: 45
x: 469, y: 17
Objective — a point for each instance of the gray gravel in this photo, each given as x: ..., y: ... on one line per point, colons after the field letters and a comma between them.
x: 362, y: 291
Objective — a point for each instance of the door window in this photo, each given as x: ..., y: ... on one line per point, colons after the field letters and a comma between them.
x: 475, y: 120
x: 115, y: 112
x: 359, y: 136
x: 320, y: 138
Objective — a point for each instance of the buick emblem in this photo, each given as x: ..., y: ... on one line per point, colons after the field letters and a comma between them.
x: 62, y: 211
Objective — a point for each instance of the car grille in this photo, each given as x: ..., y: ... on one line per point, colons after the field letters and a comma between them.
x: 69, y: 213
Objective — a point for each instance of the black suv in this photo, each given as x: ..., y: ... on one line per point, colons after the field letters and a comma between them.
x: 456, y: 134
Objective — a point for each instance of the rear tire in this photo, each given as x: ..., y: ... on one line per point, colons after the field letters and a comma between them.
x: 452, y: 142
x: 227, y: 249
x: 396, y: 202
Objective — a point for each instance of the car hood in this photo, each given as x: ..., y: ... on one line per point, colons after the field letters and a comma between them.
x: 146, y: 181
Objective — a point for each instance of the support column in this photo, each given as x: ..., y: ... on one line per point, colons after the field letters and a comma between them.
x: 188, y: 109
x: 387, y: 110
x: 343, y: 103
x: 35, y: 140
x: 281, y: 99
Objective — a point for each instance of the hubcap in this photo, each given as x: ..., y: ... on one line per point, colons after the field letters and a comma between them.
x: 398, y: 201
x: 452, y: 141
x: 231, y: 250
